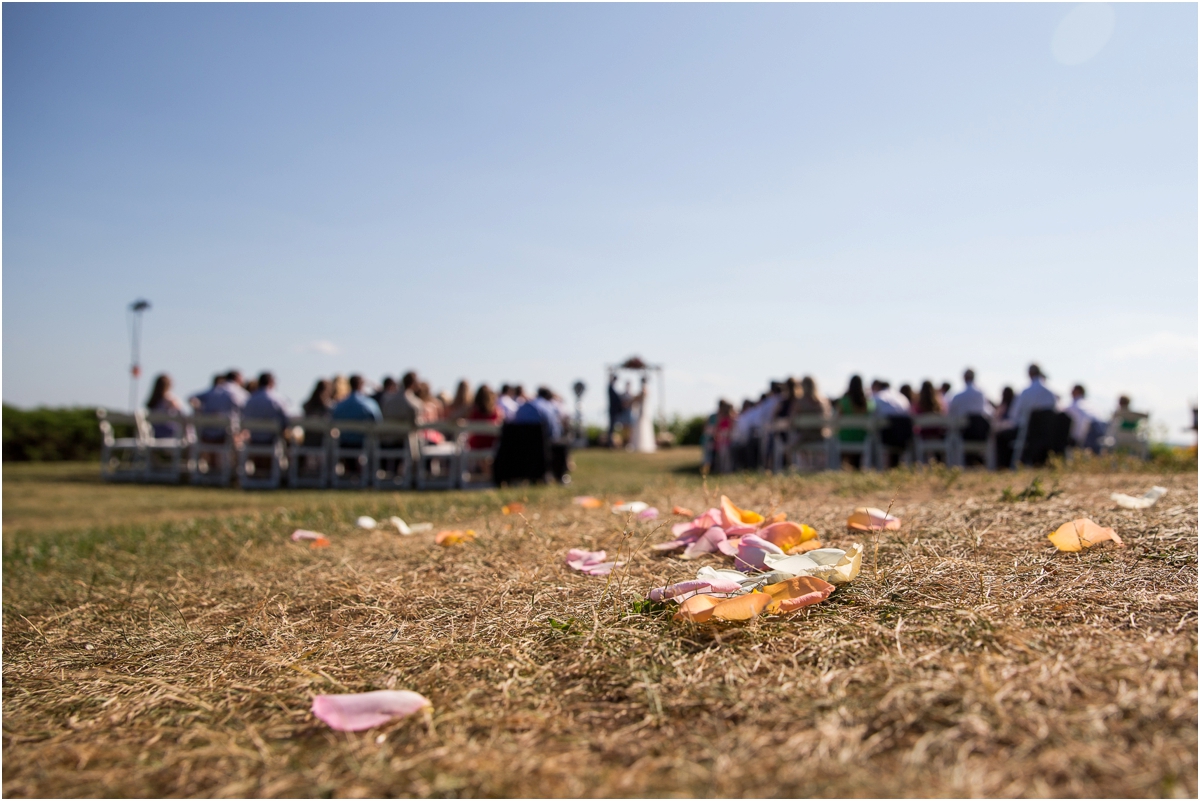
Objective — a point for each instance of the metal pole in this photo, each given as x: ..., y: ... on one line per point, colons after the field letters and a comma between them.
x: 135, y: 334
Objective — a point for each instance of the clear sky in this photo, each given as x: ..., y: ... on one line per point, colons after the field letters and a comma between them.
x: 526, y: 192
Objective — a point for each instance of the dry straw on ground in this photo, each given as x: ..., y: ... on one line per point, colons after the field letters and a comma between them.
x: 177, y: 656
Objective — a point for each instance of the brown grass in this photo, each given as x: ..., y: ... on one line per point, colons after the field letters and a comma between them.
x: 153, y: 654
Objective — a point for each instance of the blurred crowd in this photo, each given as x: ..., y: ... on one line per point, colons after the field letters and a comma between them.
x: 736, y: 431
x: 409, y: 400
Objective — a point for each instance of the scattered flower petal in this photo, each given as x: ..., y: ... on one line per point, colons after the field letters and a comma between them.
x: 728, y: 546
x: 631, y: 506
x: 687, y: 588
x: 358, y: 711
x: 513, y: 508
x: 1144, y: 502
x: 735, y: 516
x: 830, y: 564
x: 401, y: 526
x: 787, y: 535
x: 682, y: 511
x: 448, y: 538
x: 709, y: 542
x: 366, y: 522
x: 417, y: 528
x: 648, y: 514
x: 742, y: 607
x: 697, y: 609
x: 868, y: 518
x: 797, y: 592
x: 590, y: 562
x: 303, y: 534
x: 588, y: 502
x: 810, y: 545
x: 1080, y: 534
x: 752, y: 550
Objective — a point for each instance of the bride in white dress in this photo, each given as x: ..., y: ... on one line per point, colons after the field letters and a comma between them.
x: 642, y: 440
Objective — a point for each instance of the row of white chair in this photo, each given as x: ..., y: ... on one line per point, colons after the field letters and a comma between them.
x: 214, y: 449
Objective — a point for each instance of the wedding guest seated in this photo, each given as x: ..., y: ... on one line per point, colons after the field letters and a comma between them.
x: 855, y: 402
x: 1125, y: 418
x: 163, y: 401
x: 460, y: 406
x: 1087, y: 429
x: 722, y: 436
x: 944, y: 389
x: 506, y: 402
x: 485, y: 410
x: 929, y: 401
x: 971, y: 404
x: 1036, y: 397
x: 811, y: 402
x: 1123, y: 429
x: 403, y: 405
x: 540, y: 409
x: 907, y: 391
x: 236, y: 386
x: 388, y: 386
x: 356, y: 406
x: 199, y: 400
x: 898, y: 432
x: 320, y: 402
x: 1001, y: 416
x: 266, y: 404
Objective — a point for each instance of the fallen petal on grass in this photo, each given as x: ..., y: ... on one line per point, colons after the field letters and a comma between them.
x: 455, y: 537
x: 358, y: 711
x: 797, y: 592
x: 709, y: 542
x: 752, y: 552
x: 683, y: 588
x: 788, y: 535
x: 590, y: 562
x: 682, y: 511
x: 1145, y: 501
x: 512, y: 508
x: 648, y: 514
x: 630, y: 506
x: 697, y: 609
x: 588, y: 502
x: 1080, y: 534
x: 868, y: 518
x: 735, y: 516
x: 366, y: 522
x: 742, y: 607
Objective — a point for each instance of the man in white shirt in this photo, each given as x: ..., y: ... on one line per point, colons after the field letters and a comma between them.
x: 899, y: 431
x: 1036, y: 396
x: 970, y: 400
x: 888, y: 402
x: 507, y: 403
x: 1086, y: 426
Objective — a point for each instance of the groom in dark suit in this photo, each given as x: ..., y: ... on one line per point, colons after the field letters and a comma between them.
x: 616, y: 407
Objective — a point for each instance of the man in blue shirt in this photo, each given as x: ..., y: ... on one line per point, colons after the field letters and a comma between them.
x: 266, y: 404
x: 541, y: 409
x: 356, y: 406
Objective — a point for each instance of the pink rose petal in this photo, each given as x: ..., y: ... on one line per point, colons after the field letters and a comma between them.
x: 590, y: 562
x: 706, y: 544
x: 751, y: 552
x: 358, y: 711
x: 302, y: 534
x: 677, y: 591
x: 729, y: 546
x: 647, y: 514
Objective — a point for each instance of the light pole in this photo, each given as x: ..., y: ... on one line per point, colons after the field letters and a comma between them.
x: 135, y: 336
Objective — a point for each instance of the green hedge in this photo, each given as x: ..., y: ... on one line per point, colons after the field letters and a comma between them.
x: 50, y: 435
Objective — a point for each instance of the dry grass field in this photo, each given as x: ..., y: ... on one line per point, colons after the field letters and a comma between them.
x: 163, y: 641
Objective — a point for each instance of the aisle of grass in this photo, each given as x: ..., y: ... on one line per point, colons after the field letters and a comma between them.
x: 168, y: 640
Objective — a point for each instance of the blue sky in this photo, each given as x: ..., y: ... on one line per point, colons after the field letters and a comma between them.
x: 526, y: 192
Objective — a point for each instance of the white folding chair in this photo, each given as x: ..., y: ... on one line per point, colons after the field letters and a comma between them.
x: 260, y: 464
x: 961, y: 447
x: 309, y: 463
x: 1120, y: 438
x: 166, y: 457
x: 927, y: 447
x: 392, y: 455
x: 804, y: 451
x: 214, y: 449
x: 437, y: 464
x: 121, y: 458
x: 476, y: 463
x: 867, y: 449
x: 351, y: 461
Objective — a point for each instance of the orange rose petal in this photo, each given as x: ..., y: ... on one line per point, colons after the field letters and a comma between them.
x: 683, y: 511
x: 734, y: 515
x: 697, y: 609
x: 779, y: 518
x: 512, y: 509
x: 1080, y: 534
x: 742, y: 607
x: 787, y: 535
x: 867, y: 518
x: 447, y: 538
x: 588, y: 502
x: 798, y: 592
x: 807, y: 545
x: 319, y: 542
